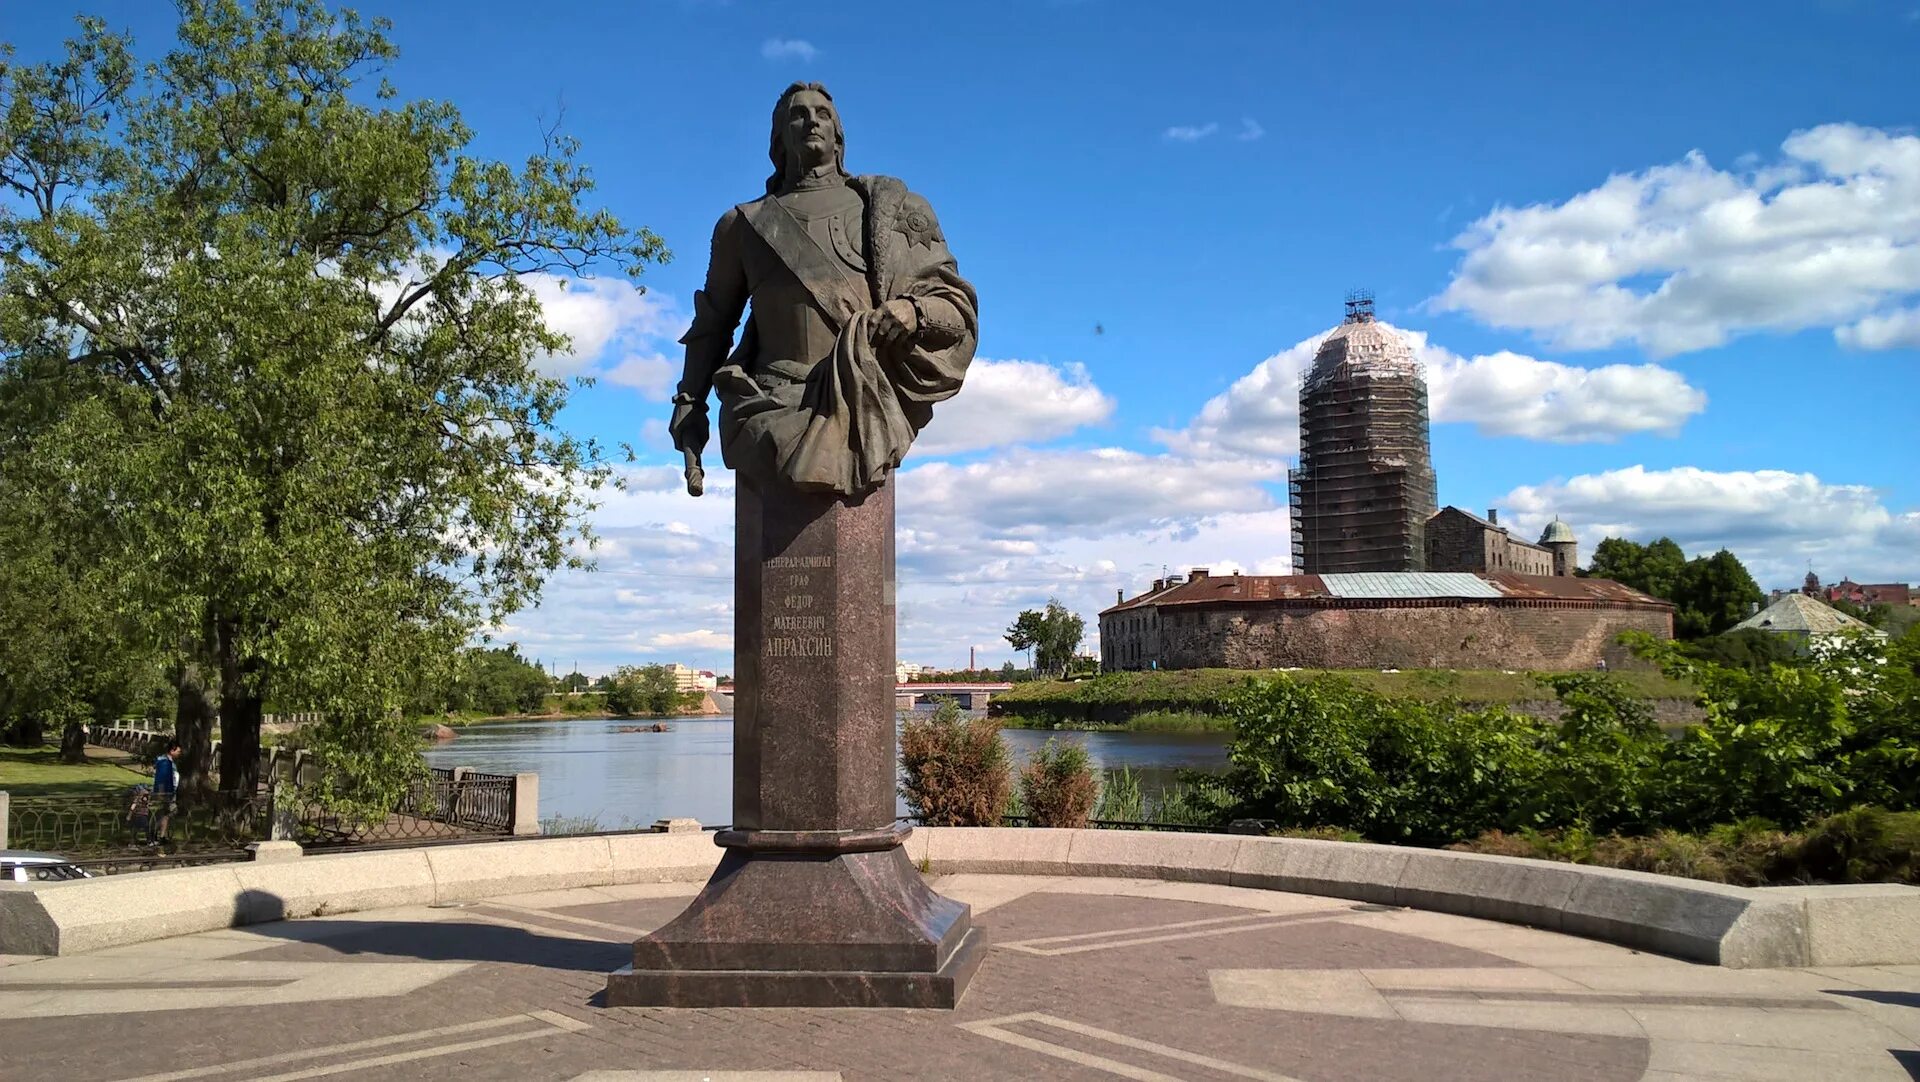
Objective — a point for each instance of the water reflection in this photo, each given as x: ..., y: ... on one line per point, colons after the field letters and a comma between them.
x: 590, y: 769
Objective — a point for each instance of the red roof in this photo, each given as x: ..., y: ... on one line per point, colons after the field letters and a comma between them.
x: 1228, y: 589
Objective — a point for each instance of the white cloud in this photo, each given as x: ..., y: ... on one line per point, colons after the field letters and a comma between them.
x: 782, y: 48
x: 1005, y: 402
x: 1686, y: 256
x: 1040, y: 495
x: 1501, y: 394
x: 650, y: 374
x: 1891, y: 330
x: 1250, y: 130
x: 702, y: 639
x: 1190, y: 133
x: 596, y: 313
x: 1776, y: 521
x: 1509, y: 394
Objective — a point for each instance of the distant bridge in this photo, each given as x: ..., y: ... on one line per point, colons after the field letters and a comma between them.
x: 969, y: 696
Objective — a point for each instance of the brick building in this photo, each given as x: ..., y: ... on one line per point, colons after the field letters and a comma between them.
x: 1872, y: 593
x: 1459, y: 541
x: 1413, y: 620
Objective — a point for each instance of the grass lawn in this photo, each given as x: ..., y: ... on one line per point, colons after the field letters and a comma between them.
x: 39, y: 772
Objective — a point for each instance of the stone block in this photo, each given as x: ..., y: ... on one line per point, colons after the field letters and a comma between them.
x: 1356, y: 870
x: 1862, y: 924
x: 1198, y: 858
x: 1510, y: 889
x: 526, y: 805
x: 341, y: 883
x: 676, y: 826
x: 4, y: 800
x: 273, y: 852
x: 464, y: 873
x: 25, y: 925
x: 999, y: 850
x: 1684, y: 918
x: 115, y: 910
x: 662, y: 858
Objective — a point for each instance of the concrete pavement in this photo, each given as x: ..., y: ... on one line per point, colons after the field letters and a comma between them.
x: 1088, y: 978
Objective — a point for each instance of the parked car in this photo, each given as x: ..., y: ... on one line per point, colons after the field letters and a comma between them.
x: 27, y: 866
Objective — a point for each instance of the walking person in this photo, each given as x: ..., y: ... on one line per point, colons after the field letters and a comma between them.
x: 166, y: 788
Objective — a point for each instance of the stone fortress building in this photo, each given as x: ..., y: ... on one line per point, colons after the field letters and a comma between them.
x: 1382, y: 580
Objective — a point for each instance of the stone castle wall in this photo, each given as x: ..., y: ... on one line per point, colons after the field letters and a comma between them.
x: 1446, y: 635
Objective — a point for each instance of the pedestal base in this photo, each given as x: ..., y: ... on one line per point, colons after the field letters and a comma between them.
x: 841, y: 924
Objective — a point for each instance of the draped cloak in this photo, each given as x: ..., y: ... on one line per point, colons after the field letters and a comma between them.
x: 836, y: 419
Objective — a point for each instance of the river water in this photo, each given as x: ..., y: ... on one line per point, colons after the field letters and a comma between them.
x: 590, y: 769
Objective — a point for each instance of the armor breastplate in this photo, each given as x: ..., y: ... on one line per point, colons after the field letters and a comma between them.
x: 835, y: 219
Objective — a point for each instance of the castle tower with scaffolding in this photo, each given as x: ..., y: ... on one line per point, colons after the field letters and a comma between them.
x: 1364, y: 490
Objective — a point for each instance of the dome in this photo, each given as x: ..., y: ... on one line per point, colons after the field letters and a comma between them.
x: 1363, y: 347
x: 1557, y: 532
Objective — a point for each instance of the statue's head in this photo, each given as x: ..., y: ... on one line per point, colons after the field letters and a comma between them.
x: 806, y: 127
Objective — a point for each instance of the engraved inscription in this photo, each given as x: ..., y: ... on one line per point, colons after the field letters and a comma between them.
x: 796, y: 631
x: 800, y: 646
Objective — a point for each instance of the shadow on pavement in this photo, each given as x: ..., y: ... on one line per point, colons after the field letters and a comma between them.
x: 262, y: 913
x: 452, y: 941
x: 1874, y: 995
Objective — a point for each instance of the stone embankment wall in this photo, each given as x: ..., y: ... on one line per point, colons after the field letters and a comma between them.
x: 1540, y: 635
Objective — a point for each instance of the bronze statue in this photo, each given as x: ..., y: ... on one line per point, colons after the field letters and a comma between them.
x: 860, y: 322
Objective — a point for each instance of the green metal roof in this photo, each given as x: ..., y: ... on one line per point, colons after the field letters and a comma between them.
x: 1409, y: 584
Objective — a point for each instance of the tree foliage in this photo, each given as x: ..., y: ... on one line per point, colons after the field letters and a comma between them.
x: 1053, y: 634
x: 1710, y: 594
x: 644, y: 689
x: 499, y: 681
x: 270, y: 333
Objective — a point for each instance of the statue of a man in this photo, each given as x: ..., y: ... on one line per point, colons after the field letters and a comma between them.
x: 860, y: 323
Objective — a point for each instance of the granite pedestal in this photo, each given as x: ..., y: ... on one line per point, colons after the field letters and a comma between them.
x: 815, y: 903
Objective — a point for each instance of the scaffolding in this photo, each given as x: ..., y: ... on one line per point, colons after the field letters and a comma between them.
x: 1364, y: 490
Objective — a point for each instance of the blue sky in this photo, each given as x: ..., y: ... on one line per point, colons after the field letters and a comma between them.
x: 1662, y: 261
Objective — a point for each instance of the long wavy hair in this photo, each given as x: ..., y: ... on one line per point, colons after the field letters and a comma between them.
x: 777, y: 146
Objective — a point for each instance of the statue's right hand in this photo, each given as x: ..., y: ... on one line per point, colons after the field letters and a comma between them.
x: 689, y: 427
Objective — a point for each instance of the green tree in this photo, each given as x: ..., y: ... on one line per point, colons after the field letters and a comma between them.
x: 645, y: 689
x: 1653, y: 569
x: 1710, y: 594
x: 1053, y: 634
x: 499, y: 681
x: 281, y: 328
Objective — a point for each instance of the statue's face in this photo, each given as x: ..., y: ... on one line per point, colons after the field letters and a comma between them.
x: 811, y: 127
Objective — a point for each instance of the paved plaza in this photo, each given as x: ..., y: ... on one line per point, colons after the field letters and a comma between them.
x: 1087, y: 979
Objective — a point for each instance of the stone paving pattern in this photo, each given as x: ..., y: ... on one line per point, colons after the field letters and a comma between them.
x: 1087, y: 979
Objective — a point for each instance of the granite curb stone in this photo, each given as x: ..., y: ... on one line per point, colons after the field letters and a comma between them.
x: 465, y: 873
x: 340, y: 883
x: 1735, y: 927
x: 1861, y: 924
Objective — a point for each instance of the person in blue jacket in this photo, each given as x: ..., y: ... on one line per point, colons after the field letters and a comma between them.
x: 166, y: 788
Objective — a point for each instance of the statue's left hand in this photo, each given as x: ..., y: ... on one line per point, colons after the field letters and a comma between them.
x: 896, y: 324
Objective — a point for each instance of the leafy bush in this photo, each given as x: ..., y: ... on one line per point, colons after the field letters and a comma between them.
x: 1327, y: 753
x: 1788, y: 744
x: 1057, y: 785
x: 1864, y: 845
x: 956, y: 770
